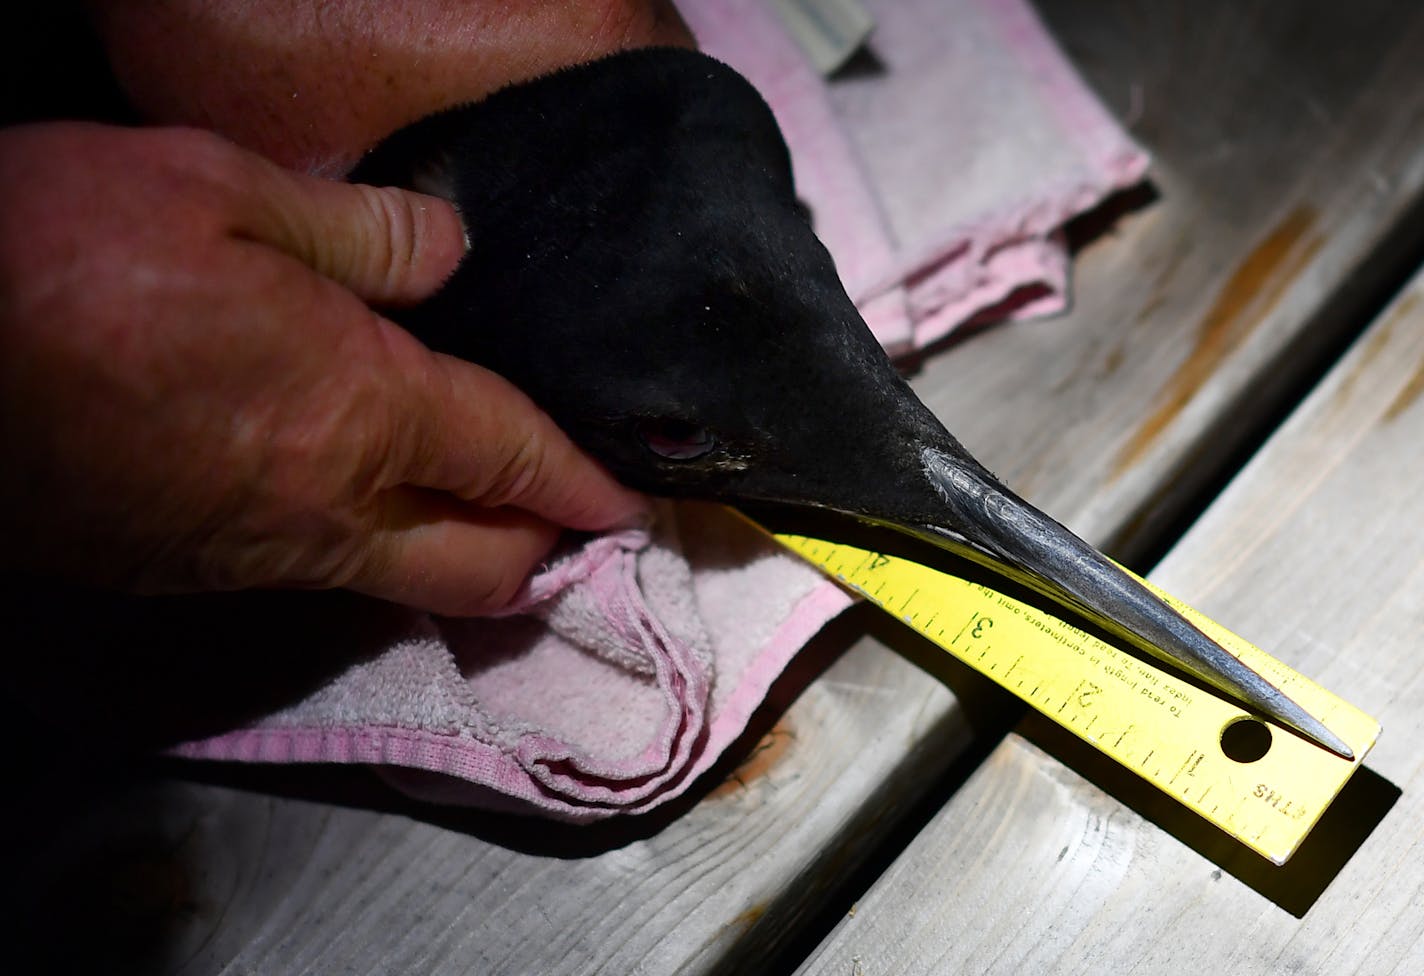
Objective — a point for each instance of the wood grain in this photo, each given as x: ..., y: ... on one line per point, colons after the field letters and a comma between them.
x: 1316, y: 551
x: 1287, y: 164
x: 1289, y: 168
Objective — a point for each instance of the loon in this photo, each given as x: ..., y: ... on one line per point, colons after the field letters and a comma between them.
x: 640, y: 265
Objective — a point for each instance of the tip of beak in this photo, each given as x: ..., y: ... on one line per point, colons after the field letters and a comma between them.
x: 1288, y: 713
x: 991, y: 525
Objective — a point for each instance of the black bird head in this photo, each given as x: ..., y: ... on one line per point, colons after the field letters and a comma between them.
x: 639, y: 264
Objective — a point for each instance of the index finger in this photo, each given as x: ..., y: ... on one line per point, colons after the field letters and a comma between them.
x: 387, y: 245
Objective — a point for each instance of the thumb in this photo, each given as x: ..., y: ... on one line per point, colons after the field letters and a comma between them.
x: 389, y: 246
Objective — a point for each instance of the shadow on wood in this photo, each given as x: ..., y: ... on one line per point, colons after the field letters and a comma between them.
x: 1294, y: 886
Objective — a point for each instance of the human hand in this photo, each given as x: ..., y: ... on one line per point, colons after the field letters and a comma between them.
x: 194, y: 393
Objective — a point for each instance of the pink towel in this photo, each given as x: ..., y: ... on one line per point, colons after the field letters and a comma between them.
x: 633, y: 661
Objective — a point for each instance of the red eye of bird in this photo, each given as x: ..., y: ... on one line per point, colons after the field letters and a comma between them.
x: 676, y: 440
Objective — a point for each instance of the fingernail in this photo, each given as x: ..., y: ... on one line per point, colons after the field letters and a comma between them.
x: 640, y: 518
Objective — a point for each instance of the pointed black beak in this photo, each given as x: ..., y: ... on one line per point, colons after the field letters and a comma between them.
x: 987, y: 523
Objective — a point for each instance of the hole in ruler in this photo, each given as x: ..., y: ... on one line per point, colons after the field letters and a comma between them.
x: 1246, y: 740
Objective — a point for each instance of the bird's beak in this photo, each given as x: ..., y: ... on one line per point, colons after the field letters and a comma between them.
x: 987, y: 523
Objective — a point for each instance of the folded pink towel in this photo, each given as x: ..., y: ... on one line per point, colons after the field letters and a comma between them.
x: 939, y: 178
x: 632, y: 662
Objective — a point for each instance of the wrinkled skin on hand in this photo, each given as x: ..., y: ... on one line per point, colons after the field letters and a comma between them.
x: 197, y: 396
x: 195, y: 391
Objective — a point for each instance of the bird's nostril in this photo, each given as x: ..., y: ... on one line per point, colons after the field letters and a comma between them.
x: 676, y: 440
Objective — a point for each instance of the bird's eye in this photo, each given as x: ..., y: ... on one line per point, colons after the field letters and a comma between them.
x: 676, y: 440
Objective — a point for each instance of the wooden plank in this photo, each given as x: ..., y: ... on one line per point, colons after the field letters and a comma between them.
x: 1316, y: 551
x: 1286, y: 156
x: 296, y: 871
x: 1260, y: 199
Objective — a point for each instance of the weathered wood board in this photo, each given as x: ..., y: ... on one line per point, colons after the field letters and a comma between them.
x: 1286, y: 162
x: 1316, y: 551
x: 1287, y: 148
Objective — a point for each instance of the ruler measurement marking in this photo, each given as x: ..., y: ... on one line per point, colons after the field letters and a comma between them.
x: 1183, y: 767
x: 1180, y: 734
x: 972, y: 617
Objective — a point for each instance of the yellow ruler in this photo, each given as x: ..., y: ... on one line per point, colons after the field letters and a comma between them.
x: 1165, y: 729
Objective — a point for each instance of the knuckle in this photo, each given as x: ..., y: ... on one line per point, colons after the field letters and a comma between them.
x: 390, y: 245
x: 353, y: 561
x: 497, y: 590
x: 516, y: 476
x: 204, y: 169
